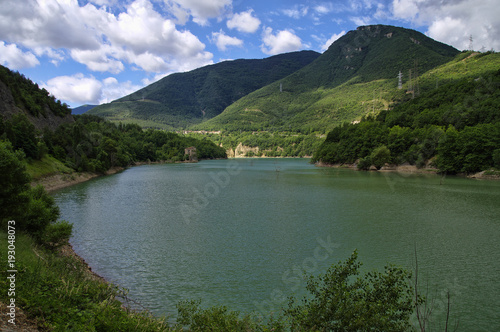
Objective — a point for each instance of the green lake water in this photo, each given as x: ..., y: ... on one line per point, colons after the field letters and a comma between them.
x: 240, y: 233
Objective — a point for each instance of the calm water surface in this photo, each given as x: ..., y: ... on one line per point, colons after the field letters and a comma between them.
x: 239, y: 233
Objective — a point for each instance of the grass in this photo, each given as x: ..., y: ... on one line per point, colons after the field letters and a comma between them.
x: 48, y: 165
x: 58, y: 293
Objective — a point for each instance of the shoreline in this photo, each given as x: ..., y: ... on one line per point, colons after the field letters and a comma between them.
x: 413, y: 169
x: 404, y: 168
x: 55, y: 182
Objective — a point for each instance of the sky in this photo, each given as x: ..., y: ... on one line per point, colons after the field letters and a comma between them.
x: 95, y: 51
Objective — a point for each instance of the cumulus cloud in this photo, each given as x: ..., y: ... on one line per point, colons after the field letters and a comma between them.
x: 42, y: 23
x: 244, y: 22
x: 223, y: 41
x: 331, y: 40
x: 102, y: 40
x: 281, y: 42
x: 75, y: 89
x: 201, y: 11
x: 13, y: 57
x: 79, y: 89
x: 453, y: 22
x: 98, y: 60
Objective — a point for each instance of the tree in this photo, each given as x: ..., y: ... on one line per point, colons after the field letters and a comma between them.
x: 33, y: 209
x: 14, y: 182
x: 378, y: 301
x: 22, y: 134
x: 496, y: 158
x: 380, y: 156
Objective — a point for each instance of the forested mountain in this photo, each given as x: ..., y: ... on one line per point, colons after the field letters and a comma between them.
x: 455, y: 126
x: 357, y: 74
x: 181, y: 99
x: 19, y: 95
x: 82, y: 109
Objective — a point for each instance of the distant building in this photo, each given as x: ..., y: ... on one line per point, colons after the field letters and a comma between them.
x: 191, y: 153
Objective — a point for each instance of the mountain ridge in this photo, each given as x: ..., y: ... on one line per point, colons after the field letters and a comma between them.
x: 367, y: 54
x: 181, y: 99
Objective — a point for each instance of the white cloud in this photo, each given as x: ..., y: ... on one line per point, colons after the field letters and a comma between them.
x: 79, y: 89
x: 361, y: 20
x: 75, y: 89
x: 147, y: 81
x: 200, y: 10
x: 98, y: 60
x: 452, y: 22
x: 381, y: 14
x: 448, y: 29
x: 150, y: 62
x: 58, y: 24
x: 223, y: 41
x: 332, y: 39
x: 56, y: 56
x: 296, y: 11
x: 283, y: 41
x: 323, y: 9
x: 13, y: 57
x: 105, y: 41
x: 244, y: 22
x: 405, y: 9
x: 112, y: 89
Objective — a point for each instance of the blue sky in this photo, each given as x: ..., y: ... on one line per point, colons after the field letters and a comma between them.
x: 95, y: 51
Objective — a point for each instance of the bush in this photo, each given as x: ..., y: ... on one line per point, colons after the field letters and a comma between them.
x: 219, y: 318
x: 380, y: 156
x: 39, y: 212
x: 57, y: 234
x: 365, y: 163
x: 14, y: 182
x: 496, y: 158
x: 376, y: 302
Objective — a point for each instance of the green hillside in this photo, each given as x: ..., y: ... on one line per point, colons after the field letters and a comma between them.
x: 356, y: 75
x: 82, y: 109
x: 181, y: 99
x: 453, y: 125
x: 27, y: 96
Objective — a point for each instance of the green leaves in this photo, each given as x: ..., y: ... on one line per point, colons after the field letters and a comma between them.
x: 380, y: 156
x: 342, y: 300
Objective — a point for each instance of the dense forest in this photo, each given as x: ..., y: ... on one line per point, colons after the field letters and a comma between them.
x: 455, y: 127
x: 90, y: 143
x: 93, y: 144
x: 28, y: 96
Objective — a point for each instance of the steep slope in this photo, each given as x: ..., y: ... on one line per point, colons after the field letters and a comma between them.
x: 454, y: 126
x: 82, y: 109
x: 365, y: 61
x: 185, y: 98
x: 19, y: 95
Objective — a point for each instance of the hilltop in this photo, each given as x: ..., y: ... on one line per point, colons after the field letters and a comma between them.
x: 182, y: 99
x: 20, y: 96
x: 356, y: 75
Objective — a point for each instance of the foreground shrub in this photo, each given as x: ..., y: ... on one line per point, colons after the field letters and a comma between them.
x: 344, y: 301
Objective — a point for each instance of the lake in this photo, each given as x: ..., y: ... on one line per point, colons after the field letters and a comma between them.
x: 241, y: 232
